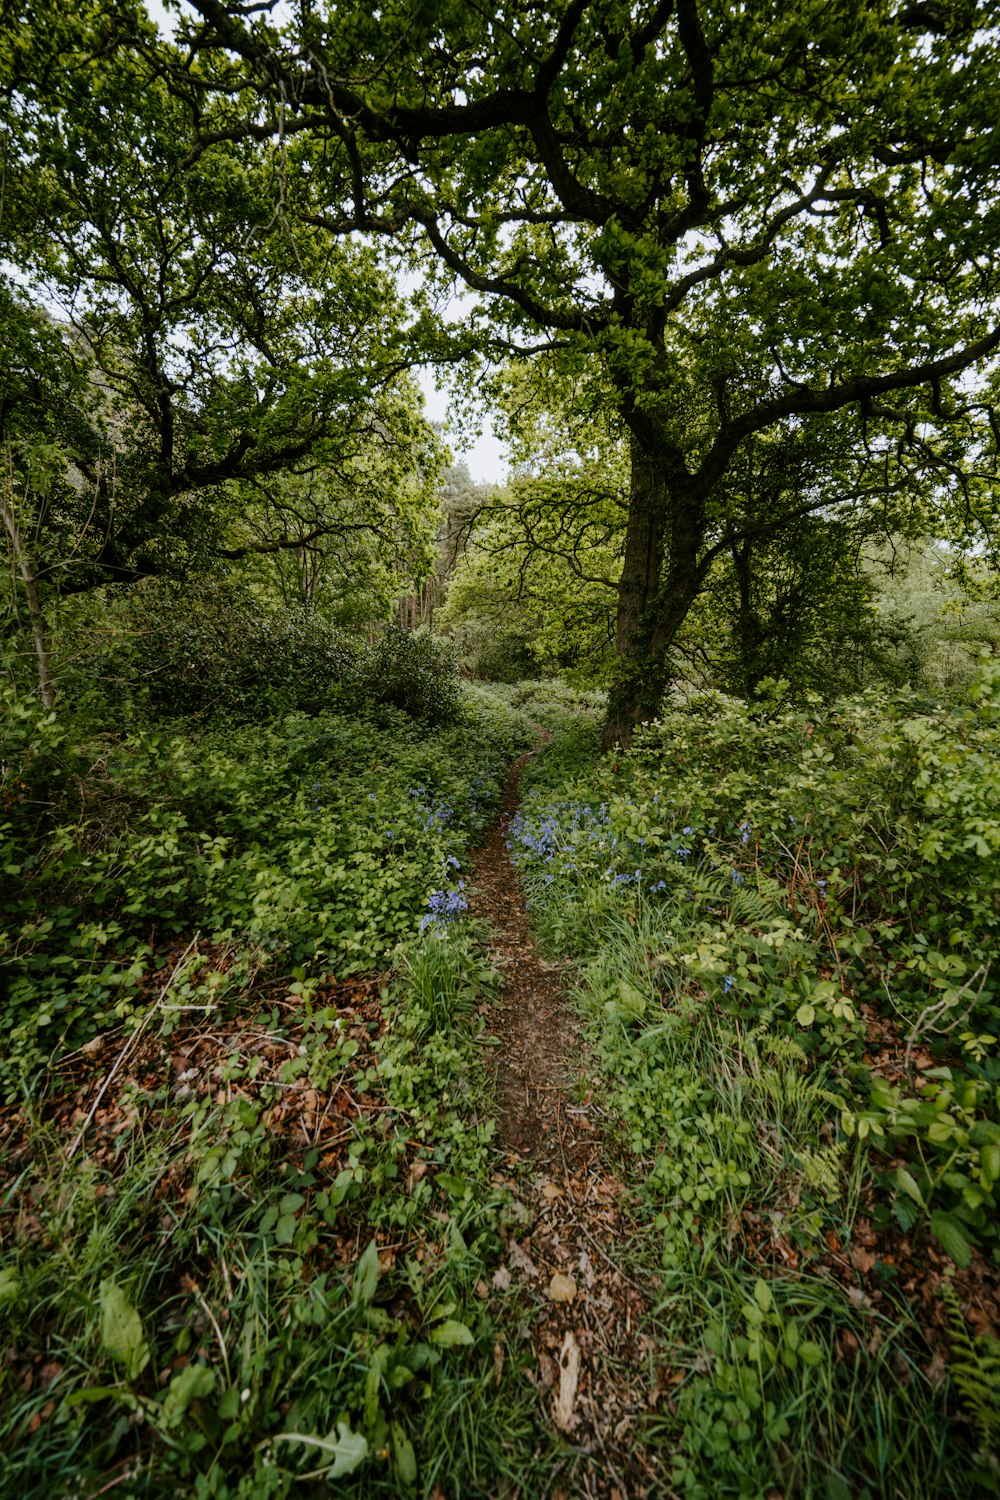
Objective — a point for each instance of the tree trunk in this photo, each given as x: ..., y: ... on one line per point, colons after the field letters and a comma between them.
x: 23, y: 564
x: 660, y: 580
x: 749, y: 634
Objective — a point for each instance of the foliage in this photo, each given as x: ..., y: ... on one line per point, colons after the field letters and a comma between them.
x: 739, y: 891
x: 805, y: 865
x: 941, y: 605
x: 202, y: 384
x: 312, y: 840
x: 735, y: 229
x: 218, y: 653
x: 799, y: 606
x: 211, y: 1327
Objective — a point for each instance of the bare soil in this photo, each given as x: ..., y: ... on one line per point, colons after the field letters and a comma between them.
x: 592, y: 1364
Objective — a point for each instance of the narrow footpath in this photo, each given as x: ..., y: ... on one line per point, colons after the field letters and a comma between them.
x: 592, y: 1366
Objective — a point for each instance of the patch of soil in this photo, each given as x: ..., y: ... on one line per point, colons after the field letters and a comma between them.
x: 536, y: 1029
x: 586, y: 1312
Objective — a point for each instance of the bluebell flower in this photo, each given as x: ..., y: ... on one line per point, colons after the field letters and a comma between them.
x: 727, y: 984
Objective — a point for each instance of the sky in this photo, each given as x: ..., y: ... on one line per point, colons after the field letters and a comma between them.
x: 481, y: 451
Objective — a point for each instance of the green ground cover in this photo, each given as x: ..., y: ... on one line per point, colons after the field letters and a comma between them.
x: 250, y: 1187
x: 755, y: 900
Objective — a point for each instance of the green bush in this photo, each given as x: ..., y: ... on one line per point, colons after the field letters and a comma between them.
x: 309, y: 839
x: 214, y: 653
x: 793, y: 866
x: 414, y: 672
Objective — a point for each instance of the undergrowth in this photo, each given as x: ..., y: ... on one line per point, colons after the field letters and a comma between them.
x: 217, y: 1294
x: 751, y: 895
x: 310, y: 840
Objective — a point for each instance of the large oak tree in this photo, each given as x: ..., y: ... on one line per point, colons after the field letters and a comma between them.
x: 679, y: 190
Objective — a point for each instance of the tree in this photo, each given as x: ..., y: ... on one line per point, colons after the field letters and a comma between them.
x: 207, y: 387
x: 673, y: 193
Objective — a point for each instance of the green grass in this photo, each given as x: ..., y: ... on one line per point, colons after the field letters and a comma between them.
x: 726, y: 1042
x: 189, y: 1291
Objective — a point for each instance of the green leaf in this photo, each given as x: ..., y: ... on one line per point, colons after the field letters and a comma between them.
x: 810, y: 1353
x: 190, y: 1384
x: 284, y: 1230
x: 451, y: 1332
x: 9, y: 1284
x: 456, y: 1186
x: 762, y: 1295
x: 403, y: 1457
x: 121, y: 1330
x: 947, y: 1229
x: 346, y: 1449
x: 806, y: 1014
x: 365, y: 1277
x: 632, y: 1001
x: 909, y: 1185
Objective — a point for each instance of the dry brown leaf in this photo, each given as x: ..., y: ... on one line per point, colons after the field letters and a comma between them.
x: 564, y: 1406
x: 547, y: 1371
x: 521, y: 1259
x: 501, y: 1279
x: 562, y: 1288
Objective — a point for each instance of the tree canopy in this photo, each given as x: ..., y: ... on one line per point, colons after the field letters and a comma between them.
x: 745, y: 219
x: 196, y: 384
x: 746, y: 230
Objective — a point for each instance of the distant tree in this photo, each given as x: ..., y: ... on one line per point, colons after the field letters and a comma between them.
x: 942, y: 608
x: 204, y: 387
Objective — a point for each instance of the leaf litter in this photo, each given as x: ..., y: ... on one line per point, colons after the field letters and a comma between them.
x: 585, y: 1314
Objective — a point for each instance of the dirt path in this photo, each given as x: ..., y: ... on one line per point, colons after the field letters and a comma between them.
x: 591, y: 1361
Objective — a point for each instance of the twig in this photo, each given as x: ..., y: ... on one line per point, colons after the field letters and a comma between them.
x: 130, y: 1043
x: 939, y: 1008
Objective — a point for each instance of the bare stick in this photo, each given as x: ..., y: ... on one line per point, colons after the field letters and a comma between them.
x: 128, y: 1047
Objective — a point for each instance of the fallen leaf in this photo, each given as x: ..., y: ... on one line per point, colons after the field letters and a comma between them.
x: 521, y: 1259
x: 562, y: 1288
x: 501, y: 1279
x: 861, y: 1259
x: 547, y: 1371
x: 564, y: 1406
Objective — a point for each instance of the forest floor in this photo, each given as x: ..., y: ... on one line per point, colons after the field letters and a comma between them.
x: 333, y: 1141
x: 590, y: 1358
